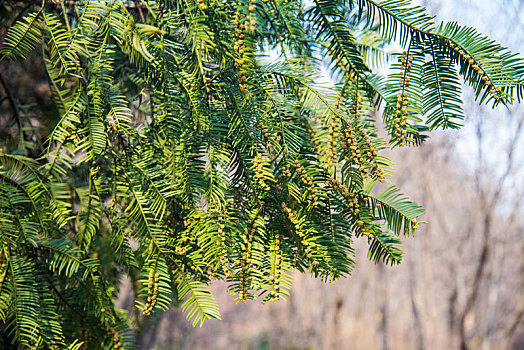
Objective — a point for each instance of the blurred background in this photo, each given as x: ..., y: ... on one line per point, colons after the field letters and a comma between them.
x: 461, y: 284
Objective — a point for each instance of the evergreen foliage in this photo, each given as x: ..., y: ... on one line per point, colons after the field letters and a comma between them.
x: 181, y: 154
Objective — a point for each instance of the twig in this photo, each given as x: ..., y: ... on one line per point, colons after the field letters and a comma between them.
x: 14, y: 108
x: 140, y: 11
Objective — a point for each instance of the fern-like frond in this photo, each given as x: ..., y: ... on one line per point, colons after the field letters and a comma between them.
x: 23, y: 315
x: 398, y: 212
x: 385, y: 248
x: 442, y: 103
x: 22, y: 37
x: 198, y: 301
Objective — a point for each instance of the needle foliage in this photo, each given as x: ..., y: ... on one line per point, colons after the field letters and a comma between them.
x: 192, y: 141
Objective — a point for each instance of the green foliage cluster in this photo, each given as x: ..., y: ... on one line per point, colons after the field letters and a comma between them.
x: 182, y: 154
